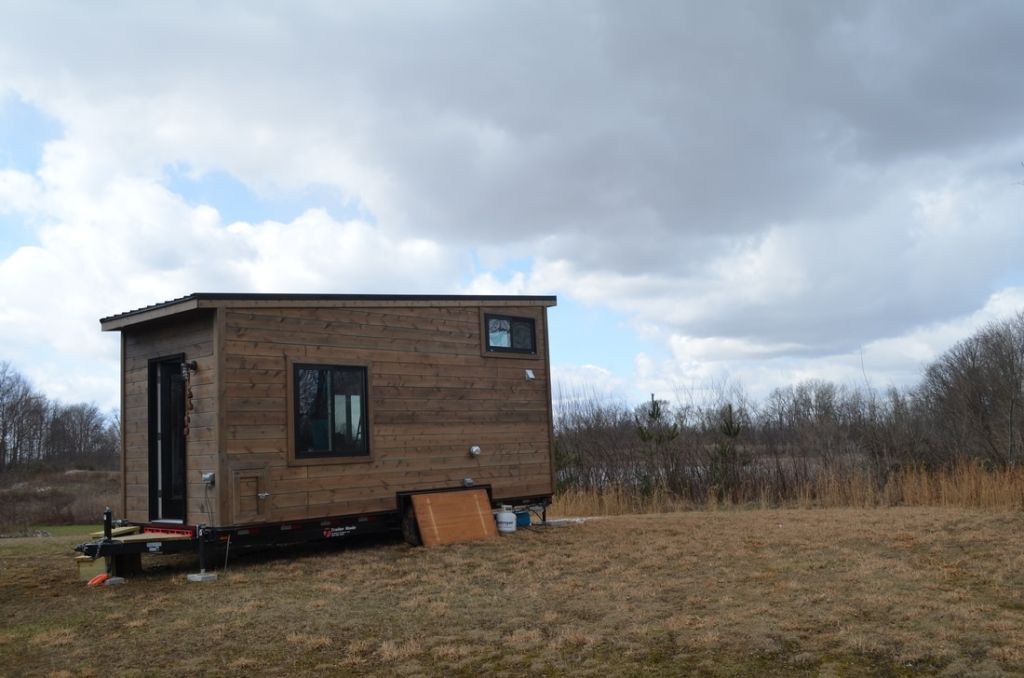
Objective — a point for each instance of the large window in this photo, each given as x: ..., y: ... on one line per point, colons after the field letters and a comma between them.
x: 510, y: 334
x: 330, y: 411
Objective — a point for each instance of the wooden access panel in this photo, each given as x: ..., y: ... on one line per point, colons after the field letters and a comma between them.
x: 451, y: 517
x: 247, y: 487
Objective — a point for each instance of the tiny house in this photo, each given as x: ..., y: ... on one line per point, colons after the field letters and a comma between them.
x: 295, y: 410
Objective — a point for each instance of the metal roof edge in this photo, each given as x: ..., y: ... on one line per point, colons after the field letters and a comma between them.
x: 120, y: 320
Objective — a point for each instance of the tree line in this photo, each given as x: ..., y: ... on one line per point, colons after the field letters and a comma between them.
x: 35, y: 430
x: 968, y: 408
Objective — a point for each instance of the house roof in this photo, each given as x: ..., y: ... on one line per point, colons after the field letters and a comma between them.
x: 211, y: 300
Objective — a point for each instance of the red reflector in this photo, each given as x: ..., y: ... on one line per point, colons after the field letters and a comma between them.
x: 149, y: 529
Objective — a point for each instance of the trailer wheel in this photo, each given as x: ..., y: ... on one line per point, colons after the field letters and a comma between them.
x: 410, y: 528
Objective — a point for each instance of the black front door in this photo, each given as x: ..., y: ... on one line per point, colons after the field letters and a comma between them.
x: 166, y: 439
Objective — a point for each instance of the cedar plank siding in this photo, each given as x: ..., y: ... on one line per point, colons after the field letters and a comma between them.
x: 191, y: 334
x: 432, y: 394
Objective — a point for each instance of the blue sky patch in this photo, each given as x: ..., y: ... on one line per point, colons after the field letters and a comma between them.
x: 236, y: 201
x: 501, y: 271
x: 24, y: 130
x: 581, y: 334
x: 14, y: 233
x: 593, y: 335
x: 1013, y: 278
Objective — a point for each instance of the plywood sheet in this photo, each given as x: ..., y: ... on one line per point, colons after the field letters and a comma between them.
x: 153, y: 536
x: 116, y: 532
x: 451, y: 517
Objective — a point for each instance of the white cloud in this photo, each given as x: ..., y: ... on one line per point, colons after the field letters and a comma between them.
x: 133, y: 243
x: 891, y: 361
x: 19, y: 192
x: 488, y: 283
x: 570, y: 382
x: 766, y: 189
x: 696, y: 349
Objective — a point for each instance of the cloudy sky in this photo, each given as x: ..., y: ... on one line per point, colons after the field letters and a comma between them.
x: 756, y: 191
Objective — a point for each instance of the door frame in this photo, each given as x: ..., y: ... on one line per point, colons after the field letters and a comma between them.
x: 156, y: 459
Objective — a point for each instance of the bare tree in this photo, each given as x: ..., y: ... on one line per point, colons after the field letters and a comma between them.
x: 33, y: 429
x: 973, y: 395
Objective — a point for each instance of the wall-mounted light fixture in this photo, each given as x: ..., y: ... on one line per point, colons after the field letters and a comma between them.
x: 188, y: 366
x: 474, y: 451
x: 529, y: 375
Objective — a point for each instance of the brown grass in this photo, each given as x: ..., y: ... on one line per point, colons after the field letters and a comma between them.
x: 963, y: 486
x: 894, y: 591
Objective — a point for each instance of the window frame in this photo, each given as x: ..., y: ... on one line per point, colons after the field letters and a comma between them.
x: 507, y: 352
x: 297, y: 457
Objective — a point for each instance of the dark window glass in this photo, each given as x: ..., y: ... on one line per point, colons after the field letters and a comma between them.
x: 330, y: 411
x: 508, y: 334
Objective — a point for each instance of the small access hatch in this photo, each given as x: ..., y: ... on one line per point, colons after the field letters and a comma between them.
x: 251, y: 494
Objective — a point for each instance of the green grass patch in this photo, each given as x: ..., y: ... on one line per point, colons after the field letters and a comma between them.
x: 66, y: 530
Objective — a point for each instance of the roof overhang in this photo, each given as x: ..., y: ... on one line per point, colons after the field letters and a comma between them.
x: 201, y: 300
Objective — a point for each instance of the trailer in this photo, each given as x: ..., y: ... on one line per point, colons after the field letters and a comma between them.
x: 277, y: 418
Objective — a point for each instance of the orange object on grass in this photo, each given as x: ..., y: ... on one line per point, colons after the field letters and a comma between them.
x: 99, y: 579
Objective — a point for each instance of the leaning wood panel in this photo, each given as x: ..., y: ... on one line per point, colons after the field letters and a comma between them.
x: 452, y: 517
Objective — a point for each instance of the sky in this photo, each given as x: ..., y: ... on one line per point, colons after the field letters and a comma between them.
x: 745, y: 192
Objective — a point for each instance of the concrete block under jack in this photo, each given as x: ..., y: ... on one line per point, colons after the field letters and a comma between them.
x: 202, y: 577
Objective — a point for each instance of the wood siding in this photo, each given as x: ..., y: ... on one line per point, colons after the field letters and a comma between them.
x: 432, y: 394
x: 192, y: 335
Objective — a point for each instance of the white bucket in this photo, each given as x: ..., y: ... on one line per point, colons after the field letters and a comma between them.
x: 506, y: 520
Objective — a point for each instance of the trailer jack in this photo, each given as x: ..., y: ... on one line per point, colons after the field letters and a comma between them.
x: 202, y: 576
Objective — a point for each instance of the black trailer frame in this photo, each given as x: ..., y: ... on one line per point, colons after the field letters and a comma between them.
x: 124, y: 557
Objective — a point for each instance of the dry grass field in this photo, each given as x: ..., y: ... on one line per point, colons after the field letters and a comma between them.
x: 964, y: 485
x: 845, y: 592
x: 54, y: 497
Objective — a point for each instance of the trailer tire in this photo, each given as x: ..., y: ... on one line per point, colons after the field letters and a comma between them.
x: 410, y: 528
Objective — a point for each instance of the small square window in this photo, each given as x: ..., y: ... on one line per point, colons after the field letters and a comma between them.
x: 509, y: 334
x: 330, y: 411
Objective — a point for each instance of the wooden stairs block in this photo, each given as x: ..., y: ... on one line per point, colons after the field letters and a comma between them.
x: 452, y: 517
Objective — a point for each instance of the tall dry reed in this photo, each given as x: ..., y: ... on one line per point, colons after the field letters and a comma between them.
x: 965, y: 485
